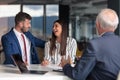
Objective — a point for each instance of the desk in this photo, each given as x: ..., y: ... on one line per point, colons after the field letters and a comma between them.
x: 9, y: 72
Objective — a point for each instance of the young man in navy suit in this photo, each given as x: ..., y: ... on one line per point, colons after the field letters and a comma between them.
x: 20, y: 41
x: 101, y: 58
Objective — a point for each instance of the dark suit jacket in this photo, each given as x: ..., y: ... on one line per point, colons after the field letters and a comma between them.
x: 100, y: 60
x: 11, y: 46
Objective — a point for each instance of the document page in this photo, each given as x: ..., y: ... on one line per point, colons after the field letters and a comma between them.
x: 53, y: 66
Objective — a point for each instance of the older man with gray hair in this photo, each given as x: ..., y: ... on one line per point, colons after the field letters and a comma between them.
x: 101, y: 58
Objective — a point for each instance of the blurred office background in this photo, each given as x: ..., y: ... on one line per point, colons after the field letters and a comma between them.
x: 79, y: 14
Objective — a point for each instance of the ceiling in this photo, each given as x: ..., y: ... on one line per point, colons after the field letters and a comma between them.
x: 84, y: 8
x: 87, y: 8
x: 43, y: 1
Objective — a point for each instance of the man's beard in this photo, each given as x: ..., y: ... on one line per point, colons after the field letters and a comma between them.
x: 24, y: 29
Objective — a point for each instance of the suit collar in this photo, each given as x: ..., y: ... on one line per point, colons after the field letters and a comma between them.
x: 27, y: 34
x: 16, y: 32
x: 108, y: 33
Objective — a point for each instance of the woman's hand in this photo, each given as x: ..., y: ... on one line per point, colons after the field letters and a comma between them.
x: 45, y: 63
x: 64, y: 61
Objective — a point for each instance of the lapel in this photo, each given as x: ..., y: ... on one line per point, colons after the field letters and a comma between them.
x: 16, y: 40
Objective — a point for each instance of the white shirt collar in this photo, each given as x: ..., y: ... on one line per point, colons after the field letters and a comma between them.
x: 16, y: 32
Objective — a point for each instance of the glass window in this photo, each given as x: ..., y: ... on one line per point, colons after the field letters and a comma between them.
x: 52, y: 13
x: 7, y: 14
x: 36, y: 11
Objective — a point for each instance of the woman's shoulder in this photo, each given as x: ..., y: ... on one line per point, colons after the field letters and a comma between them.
x: 70, y: 39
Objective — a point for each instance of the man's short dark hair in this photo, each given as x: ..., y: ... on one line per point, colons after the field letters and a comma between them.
x: 21, y: 16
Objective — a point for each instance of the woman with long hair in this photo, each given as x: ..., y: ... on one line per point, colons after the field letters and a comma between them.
x: 60, y: 46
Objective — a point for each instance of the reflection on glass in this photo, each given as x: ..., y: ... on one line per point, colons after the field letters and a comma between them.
x: 85, y: 28
x: 51, y: 15
x: 36, y: 11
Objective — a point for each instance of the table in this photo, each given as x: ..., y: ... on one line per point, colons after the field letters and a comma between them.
x: 10, y: 72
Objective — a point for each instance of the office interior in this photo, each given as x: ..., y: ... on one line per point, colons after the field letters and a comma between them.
x: 79, y: 14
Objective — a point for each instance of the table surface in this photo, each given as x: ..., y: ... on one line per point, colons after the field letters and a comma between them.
x: 10, y: 72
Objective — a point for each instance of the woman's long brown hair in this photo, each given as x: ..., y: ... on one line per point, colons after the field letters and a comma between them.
x: 63, y: 42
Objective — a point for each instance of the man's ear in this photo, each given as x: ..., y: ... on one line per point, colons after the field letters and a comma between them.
x: 98, y: 28
x: 21, y: 23
x: 97, y: 24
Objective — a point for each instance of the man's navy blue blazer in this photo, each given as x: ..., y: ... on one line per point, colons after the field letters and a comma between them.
x: 11, y: 46
x: 100, y: 60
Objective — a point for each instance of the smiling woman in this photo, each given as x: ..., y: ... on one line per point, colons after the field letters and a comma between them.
x: 60, y: 47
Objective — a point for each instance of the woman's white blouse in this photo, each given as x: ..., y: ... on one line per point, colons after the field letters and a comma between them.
x: 71, y: 48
